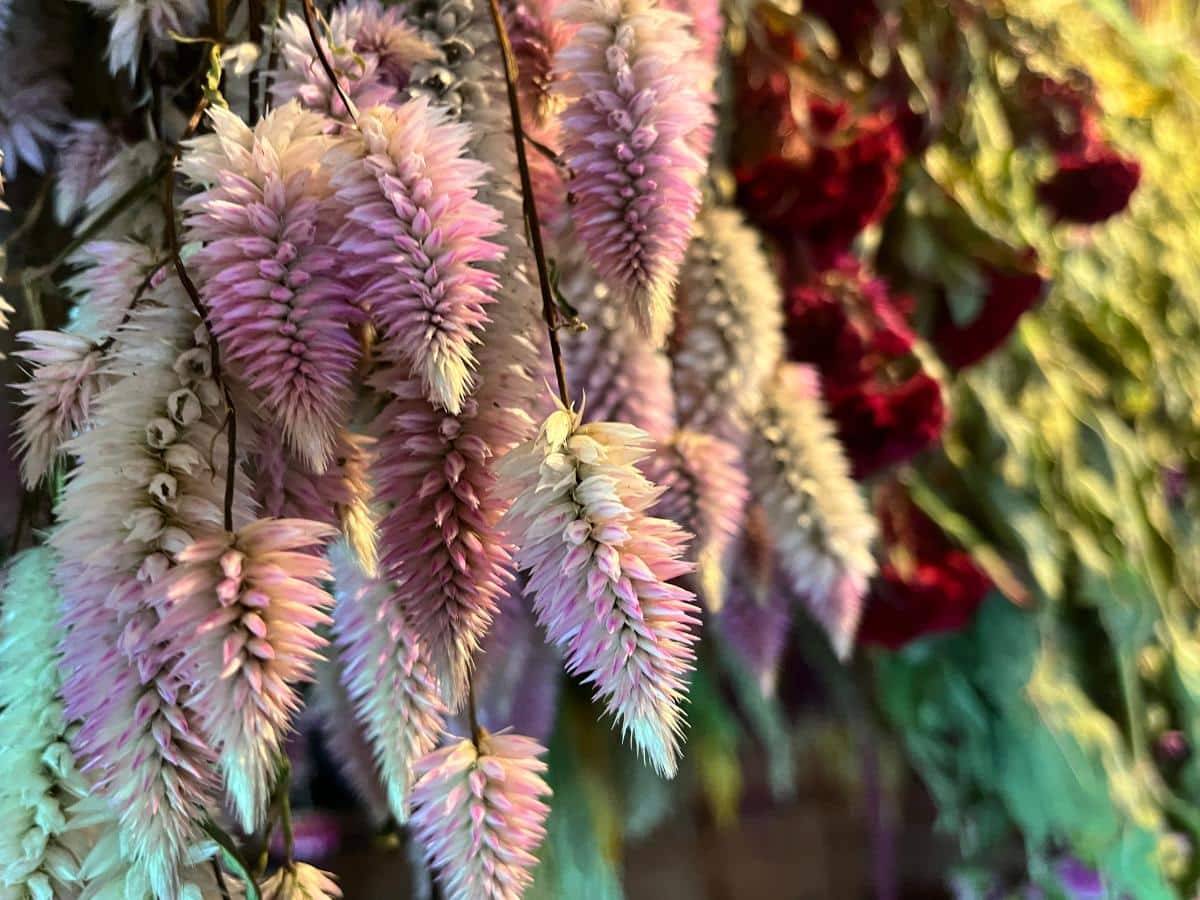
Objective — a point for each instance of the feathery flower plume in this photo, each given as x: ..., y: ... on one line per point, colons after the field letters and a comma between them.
x: 818, y: 519
x: 143, y: 220
x: 240, y: 613
x: 387, y: 676
x: 33, y: 108
x: 705, y: 493
x: 39, y: 855
x: 135, y: 21
x: 616, y: 376
x: 438, y: 540
x: 536, y: 36
x: 300, y: 881
x: 57, y: 397
x: 479, y: 817
x: 5, y: 309
x: 268, y: 270
x: 149, y: 480
x: 728, y: 337
x: 105, y: 281
x: 372, y: 50
x: 84, y: 154
x: 627, y: 73
x: 600, y: 571
x: 416, y: 234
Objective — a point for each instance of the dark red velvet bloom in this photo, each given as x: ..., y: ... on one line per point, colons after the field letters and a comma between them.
x: 851, y: 21
x: 880, y: 425
x: 1010, y: 295
x: 1090, y: 186
x: 1060, y: 114
x: 929, y: 585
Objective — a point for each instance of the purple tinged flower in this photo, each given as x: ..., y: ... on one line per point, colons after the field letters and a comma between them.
x: 818, y: 519
x: 84, y: 154
x: 387, y: 675
x: 438, y: 540
x: 601, y: 569
x: 416, y: 235
x: 269, y: 272
x: 728, y: 333
x: 239, y: 613
x: 136, y: 21
x: 628, y: 75
x: 106, y: 280
x: 33, y: 109
x: 705, y: 493
x: 64, y: 380
x: 479, y: 817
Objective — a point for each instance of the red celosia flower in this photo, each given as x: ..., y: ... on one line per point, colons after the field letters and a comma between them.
x: 929, y: 586
x: 1091, y: 185
x: 883, y: 425
x: 1010, y: 295
x: 1061, y: 114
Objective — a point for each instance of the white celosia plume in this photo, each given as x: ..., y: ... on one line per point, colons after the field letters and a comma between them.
x: 815, y: 513
x: 479, y: 817
x: 601, y: 569
x: 134, y: 22
x: 300, y: 881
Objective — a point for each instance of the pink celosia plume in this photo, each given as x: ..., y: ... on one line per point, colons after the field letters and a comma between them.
x: 416, y: 235
x: 633, y: 104
x: 276, y: 294
x: 479, y: 817
x: 600, y: 572
x: 85, y: 153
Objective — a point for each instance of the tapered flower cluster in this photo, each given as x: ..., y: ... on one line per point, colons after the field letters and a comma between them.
x: 239, y: 612
x: 33, y: 108
x: 728, y: 333
x: 133, y: 22
x: 39, y: 854
x: 600, y: 570
x: 387, y: 676
x: 815, y: 513
x: 268, y: 272
x: 633, y: 104
x: 85, y: 153
x: 300, y: 881
x: 416, y: 235
x: 438, y: 539
x: 478, y: 815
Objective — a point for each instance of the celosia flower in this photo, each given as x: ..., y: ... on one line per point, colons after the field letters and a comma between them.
x: 635, y: 173
x: 615, y: 374
x: 727, y: 339
x: 84, y: 154
x: 1010, y: 294
x: 815, y: 514
x: 142, y: 220
x: 387, y: 675
x: 438, y: 539
x: 416, y: 234
x: 372, y: 51
x: 39, y: 854
x: 601, y: 570
x: 536, y: 36
x: 881, y: 425
x: 1090, y: 186
x: 240, y: 611
x: 851, y: 21
x: 33, y: 108
x: 300, y: 881
x: 136, y: 21
x: 269, y: 273
x: 705, y: 493
x: 478, y: 815
x: 106, y: 280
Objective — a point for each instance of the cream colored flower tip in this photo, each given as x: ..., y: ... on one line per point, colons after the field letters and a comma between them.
x: 300, y: 882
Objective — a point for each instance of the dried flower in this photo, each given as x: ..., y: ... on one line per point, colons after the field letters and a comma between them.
x: 136, y: 21
x: 387, y: 676
x: 600, y: 571
x: 300, y: 881
x: 239, y: 612
x: 633, y: 105
x: 727, y: 339
x: 268, y: 270
x: 821, y: 526
x: 479, y: 817
x: 416, y: 234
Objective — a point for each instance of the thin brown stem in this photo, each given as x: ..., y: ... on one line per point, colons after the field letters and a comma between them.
x: 310, y: 20
x: 533, y: 226
x: 472, y: 712
x: 137, y: 297
x: 257, y: 11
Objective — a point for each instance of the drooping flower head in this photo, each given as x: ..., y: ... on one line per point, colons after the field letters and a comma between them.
x: 815, y: 514
x: 300, y: 881
x: 240, y: 612
x: 134, y: 22
x: 387, y: 675
x: 635, y: 184
x: 268, y: 271
x: 601, y: 569
x: 479, y: 816
x: 416, y: 235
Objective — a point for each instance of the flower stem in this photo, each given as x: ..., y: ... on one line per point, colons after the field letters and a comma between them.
x: 233, y: 858
x: 472, y: 712
x: 532, y: 225
x: 310, y: 20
